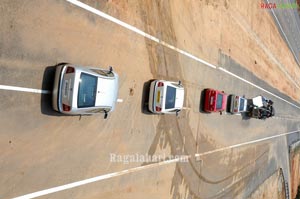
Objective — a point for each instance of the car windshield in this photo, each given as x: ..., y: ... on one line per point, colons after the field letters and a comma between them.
x: 242, y: 104
x: 170, y: 98
x: 219, y: 101
x: 87, y: 90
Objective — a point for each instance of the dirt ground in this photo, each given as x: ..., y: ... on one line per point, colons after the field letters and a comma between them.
x: 295, y: 168
x: 268, y: 189
x: 295, y: 174
x: 248, y: 35
x: 241, y: 30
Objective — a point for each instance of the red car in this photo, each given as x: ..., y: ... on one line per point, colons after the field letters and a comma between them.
x: 214, y: 100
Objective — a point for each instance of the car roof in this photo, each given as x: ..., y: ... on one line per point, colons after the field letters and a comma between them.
x: 179, y: 95
x: 107, y: 87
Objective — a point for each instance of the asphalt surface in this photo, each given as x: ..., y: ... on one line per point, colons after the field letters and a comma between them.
x: 288, y: 23
x: 41, y: 149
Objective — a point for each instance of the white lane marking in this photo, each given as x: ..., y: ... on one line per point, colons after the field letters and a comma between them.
x: 23, y: 89
x: 240, y: 78
x: 94, y: 179
x: 244, y: 144
x: 138, y: 31
x: 284, y: 34
x: 120, y: 100
x: 128, y: 171
x: 187, y: 54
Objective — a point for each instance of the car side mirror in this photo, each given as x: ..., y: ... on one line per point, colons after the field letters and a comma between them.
x: 179, y: 82
x: 105, y: 114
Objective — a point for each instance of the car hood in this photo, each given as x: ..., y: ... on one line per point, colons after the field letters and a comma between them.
x: 107, y: 92
x: 179, y: 98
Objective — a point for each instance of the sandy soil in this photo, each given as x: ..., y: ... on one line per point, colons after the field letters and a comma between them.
x: 295, y: 174
x: 241, y: 30
x: 295, y: 168
x: 268, y: 188
x: 247, y: 34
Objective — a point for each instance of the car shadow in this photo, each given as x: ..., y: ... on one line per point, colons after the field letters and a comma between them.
x: 201, y: 104
x: 245, y: 116
x: 47, y: 84
x: 145, y: 98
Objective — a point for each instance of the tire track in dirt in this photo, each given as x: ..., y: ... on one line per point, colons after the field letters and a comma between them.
x: 165, y: 64
x: 157, y: 20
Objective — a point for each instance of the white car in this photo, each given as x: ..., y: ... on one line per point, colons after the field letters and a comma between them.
x: 166, y: 97
x: 238, y: 104
x: 81, y: 90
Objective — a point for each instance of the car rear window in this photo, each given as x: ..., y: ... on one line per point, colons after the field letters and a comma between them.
x: 87, y: 90
x: 170, y: 97
x: 242, y: 104
x: 219, y: 101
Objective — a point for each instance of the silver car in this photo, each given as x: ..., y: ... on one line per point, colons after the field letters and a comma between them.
x: 238, y: 104
x: 81, y: 90
x: 166, y: 97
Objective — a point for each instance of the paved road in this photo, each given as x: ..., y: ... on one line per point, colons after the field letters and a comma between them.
x: 41, y: 149
x: 288, y: 23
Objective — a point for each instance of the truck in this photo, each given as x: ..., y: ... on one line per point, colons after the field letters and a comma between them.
x: 260, y: 108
